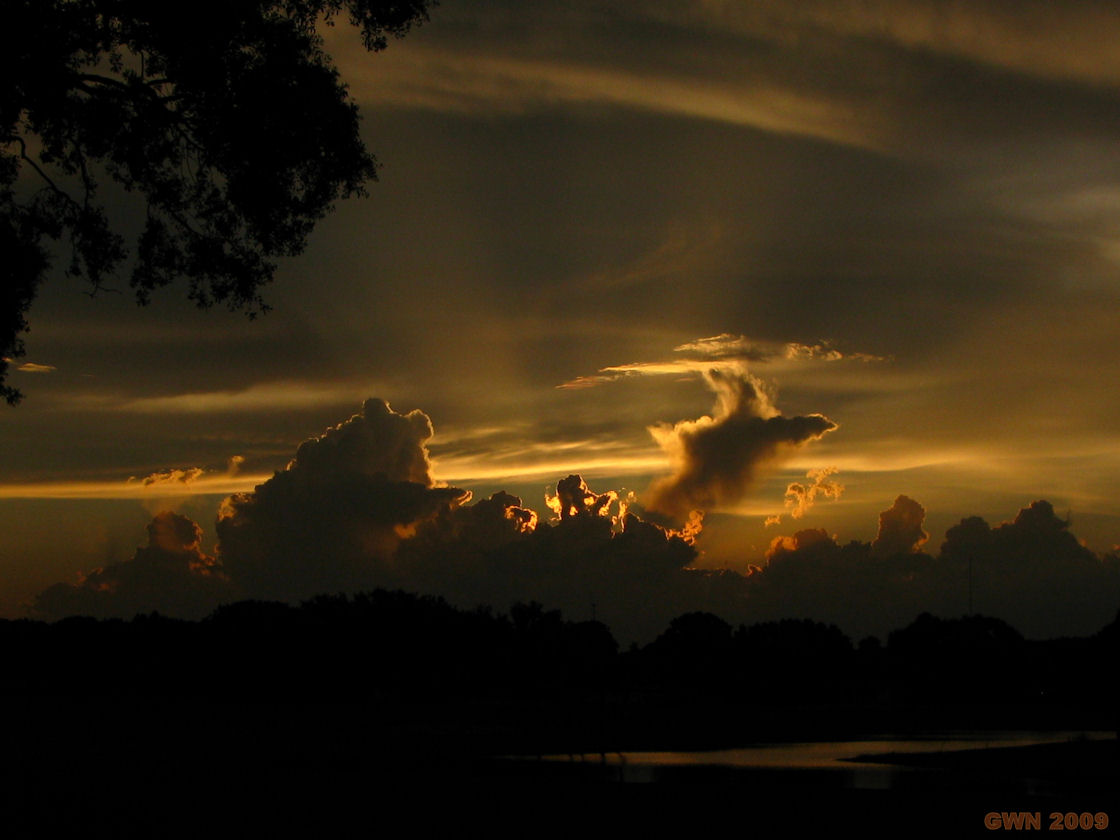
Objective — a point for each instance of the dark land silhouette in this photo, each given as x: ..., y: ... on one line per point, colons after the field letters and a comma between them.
x: 386, y: 688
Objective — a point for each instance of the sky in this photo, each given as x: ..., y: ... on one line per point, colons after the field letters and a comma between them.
x: 778, y: 264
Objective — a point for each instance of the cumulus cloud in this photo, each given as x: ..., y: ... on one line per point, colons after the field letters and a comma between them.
x: 1031, y: 572
x: 357, y: 507
x: 333, y: 518
x: 801, y: 541
x: 574, y: 498
x: 716, y: 458
x: 171, y: 575
x: 900, y: 528
x: 595, y: 550
x: 1036, y: 539
x: 635, y: 574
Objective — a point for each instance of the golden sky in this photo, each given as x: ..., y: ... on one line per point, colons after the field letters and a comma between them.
x: 595, y: 225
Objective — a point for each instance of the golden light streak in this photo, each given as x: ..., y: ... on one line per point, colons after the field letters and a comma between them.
x: 269, y: 397
x: 458, y: 470
x: 218, y: 485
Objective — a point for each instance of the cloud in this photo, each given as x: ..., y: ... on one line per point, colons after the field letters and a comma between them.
x: 32, y: 367
x: 586, y: 382
x: 172, y: 488
x: 743, y: 349
x: 1036, y: 538
x: 574, y: 498
x: 334, y: 517
x: 172, y: 477
x: 720, y: 352
x: 900, y: 528
x: 881, y: 75
x: 725, y: 346
x: 825, y: 352
x: 258, y: 397
x: 596, y: 551
x: 1031, y: 572
x: 698, y: 357
x: 716, y: 458
x: 171, y: 575
x: 357, y: 507
x: 486, y: 80
x: 800, y: 497
x: 1031, y: 38
x: 802, y: 541
x: 169, y: 489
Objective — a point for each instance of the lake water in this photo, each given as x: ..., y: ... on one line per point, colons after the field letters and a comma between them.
x: 844, y: 764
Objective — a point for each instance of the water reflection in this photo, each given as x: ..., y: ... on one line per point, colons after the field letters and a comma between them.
x: 873, y: 764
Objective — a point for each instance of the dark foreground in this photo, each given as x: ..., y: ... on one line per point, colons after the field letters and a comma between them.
x: 352, y: 711
x: 152, y: 768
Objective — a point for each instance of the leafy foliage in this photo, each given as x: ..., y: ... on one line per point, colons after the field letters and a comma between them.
x: 229, y: 122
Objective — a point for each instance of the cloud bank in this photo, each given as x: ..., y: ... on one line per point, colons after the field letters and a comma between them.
x: 171, y: 575
x: 357, y: 508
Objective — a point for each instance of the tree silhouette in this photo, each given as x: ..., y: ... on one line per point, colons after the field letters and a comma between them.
x: 230, y: 123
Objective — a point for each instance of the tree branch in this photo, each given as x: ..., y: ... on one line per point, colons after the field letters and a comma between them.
x: 47, y: 178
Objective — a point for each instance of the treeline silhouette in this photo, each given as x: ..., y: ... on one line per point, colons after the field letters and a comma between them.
x: 341, y: 693
x: 346, y: 697
x: 395, y: 649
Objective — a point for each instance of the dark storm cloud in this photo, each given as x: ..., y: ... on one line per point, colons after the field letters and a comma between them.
x: 594, y: 555
x: 171, y: 574
x: 900, y: 528
x: 801, y: 542
x: 357, y: 508
x: 333, y: 518
x: 1031, y: 572
x: 1033, y: 567
x: 574, y: 498
x: 716, y: 458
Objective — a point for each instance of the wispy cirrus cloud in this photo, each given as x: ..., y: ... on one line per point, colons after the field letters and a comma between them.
x: 879, y: 76
x: 724, y: 351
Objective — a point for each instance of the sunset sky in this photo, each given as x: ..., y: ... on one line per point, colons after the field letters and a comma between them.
x: 888, y: 230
